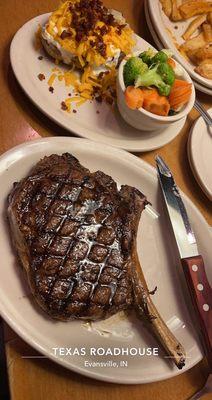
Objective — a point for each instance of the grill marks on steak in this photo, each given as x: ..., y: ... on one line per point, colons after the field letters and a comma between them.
x: 78, y: 232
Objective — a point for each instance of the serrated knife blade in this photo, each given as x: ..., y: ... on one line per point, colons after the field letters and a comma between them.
x: 184, y: 234
x: 192, y: 262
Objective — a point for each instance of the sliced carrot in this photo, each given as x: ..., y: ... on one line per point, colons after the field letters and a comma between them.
x: 134, y: 97
x: 178, y: 96
x: 155, y: 103
x: 171, y: 62
x: 149, y: 99
x: 180, y: 93
x: 180, y: 82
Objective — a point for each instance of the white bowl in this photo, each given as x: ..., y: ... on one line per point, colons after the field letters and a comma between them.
x: 145, y: 120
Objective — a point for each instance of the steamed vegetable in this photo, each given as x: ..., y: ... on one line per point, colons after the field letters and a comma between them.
x: 171, y: 62
x: 149, y: 99
x: 151, y: 83
x: 160, y: 57
x: 152, y: 78
x: 146, y: 56
x: 180, y: 94
x: 150, y: 69
x: 155, y: 103
x: 133, y: 67
x: 134, y: 97
x: 167, y: 73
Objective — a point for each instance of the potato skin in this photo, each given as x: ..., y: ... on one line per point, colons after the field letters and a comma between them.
x: 55, y: 53
x: 52, y: 50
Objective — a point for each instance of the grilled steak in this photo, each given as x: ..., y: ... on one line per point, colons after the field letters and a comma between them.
x: 75, y: 234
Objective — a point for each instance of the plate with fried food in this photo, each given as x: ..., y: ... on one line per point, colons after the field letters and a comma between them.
x: 186, y: 28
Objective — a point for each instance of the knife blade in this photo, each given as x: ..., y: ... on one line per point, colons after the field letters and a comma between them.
x: 192, y: 262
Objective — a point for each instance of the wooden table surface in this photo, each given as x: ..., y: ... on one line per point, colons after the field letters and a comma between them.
x: 39, y: 379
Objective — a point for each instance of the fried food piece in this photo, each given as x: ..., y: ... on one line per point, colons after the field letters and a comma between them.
x: 209, y: 18
x: 175, y: 15
x: 194, y: 43
x: 183, y: 53
x: 192, y: 8
x: 166, y: 7
x: 201, y: 54
x: 205, y: 69
x: 193, y: 26
x: 207, y: 30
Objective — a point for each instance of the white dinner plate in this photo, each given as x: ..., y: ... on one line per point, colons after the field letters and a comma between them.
x: 170, y: 32
x: 202, y: 88
x: 151, y: 27
x: 107, y: 126
x: 159, y: 259
x: 161, y: 46
x: 200, y: 154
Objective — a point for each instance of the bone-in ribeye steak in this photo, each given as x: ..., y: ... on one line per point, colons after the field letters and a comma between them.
x: 75, y: 234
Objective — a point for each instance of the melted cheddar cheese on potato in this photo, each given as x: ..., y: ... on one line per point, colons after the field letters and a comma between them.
x: 85, y: 33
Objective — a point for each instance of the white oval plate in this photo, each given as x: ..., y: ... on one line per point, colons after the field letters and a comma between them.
x: 156, y: 249
x: 163, y: 26
x: 106, y: 127
x: 200, y: 151
x: 202, y: 88
x: 151, y: 27
x: 160, y: 46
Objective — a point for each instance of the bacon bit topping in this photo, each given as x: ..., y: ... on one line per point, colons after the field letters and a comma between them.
x: 109, y: 100
x: 40, y: 58
x: 41, y: 77
x: 65, y: 34
x: 101, y: 48
x: 119, y: 28
x: 99, y: 99
x: 152, y: 292
x: 63, y: 106
x: 74, y: 111
x: 51, y: 89
x: 85, y: 15
x: 103, y: 30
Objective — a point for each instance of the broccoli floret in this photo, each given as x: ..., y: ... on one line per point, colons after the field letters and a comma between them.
x: 168, y: 52
x: 153, y: 78
x: 160, y: 57
x: 167, y: 73
x: 133, y: 67
x: 146, y: 56
x: 164, y: 89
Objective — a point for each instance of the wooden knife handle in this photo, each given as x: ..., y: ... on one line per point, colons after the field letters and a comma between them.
x: 201, y: 294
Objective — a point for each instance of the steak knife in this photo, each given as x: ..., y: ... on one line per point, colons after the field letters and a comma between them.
x: 192, y: 262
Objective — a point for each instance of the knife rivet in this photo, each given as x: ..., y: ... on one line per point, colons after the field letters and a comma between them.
x: 205, y: 307
x: 194, y: 268
x: 200, y: 287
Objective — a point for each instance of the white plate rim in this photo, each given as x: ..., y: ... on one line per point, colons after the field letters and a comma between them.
x: 138, y: 164
x: 151, y: 27
x: 131, y: 145
x: 157, y: 21
x: 193, y: 165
